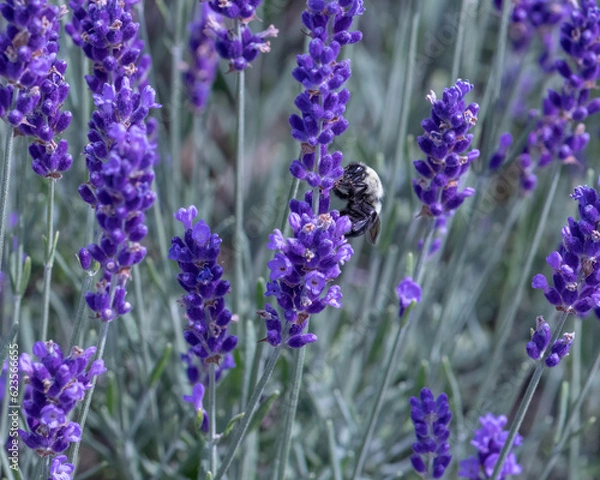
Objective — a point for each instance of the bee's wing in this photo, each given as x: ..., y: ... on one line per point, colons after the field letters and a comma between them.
x: 374, y: 231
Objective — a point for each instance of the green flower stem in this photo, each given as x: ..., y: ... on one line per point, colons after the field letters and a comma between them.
x: 48, y: 258
x: 8, y: 154
x: 460, y: 35
x: 391, y: 363
x: 73, y: 458
x: 526, y: 400
x: 566, y: 433
x: 408, y: 87
x: 175, y: 100
x: 212, y: 418
x: 390, y: 366
x: 240, y: 430
x: 575, y: 441
x: 286, y: 437
x: 508, y: 321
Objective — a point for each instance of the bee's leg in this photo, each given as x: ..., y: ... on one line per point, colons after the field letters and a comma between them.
x: 362, y: 217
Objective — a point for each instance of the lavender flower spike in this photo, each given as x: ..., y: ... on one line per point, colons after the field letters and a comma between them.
x: 489, y: 440
x: 242, y: 48
x: 575, y: 287
x: 199, y: 75
x: 305, y: 265
x: 196, y: 254
x: 559, y: 133
x: 35, y: 76
x: 444, y: 143
x: 431, y: 417
x: 122, y: 148
x: 54, y: 385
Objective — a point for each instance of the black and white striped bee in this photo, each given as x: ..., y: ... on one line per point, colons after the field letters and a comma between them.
x: 362, y: 188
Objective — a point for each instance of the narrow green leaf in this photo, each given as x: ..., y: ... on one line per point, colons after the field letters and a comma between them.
x: 159, y: 368
x: 263, y: 410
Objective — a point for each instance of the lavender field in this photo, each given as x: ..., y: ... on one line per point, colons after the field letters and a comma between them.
x: 299, y: 239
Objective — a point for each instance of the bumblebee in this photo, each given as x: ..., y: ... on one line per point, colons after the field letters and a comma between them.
x: 362, y: 188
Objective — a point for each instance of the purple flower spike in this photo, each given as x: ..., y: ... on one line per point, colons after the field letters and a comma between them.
x: 559, y: 133
x: 489, y: 440
x: 54, y: 385
x: 122, y: 148
x: 242, y: 48
x: 305, y: 265
x: 444, y: 143
x: 35, y: 90
x: 197, y: 253
x: 60, y: 469
x: 575, y: 286
x: 199, y: 75
x: 559, y: 349
x: 431, y: 417
x: 108, y: 36
x: 408, y: 292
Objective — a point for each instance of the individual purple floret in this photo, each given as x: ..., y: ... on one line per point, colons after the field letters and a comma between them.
x: 559, y: 349
x: 408, y: 291
x: 60, y: 469
x: 431, y: 417
x: 36, y: 89
x: 576, y: 273
x: 499, y: 155
x: 540, y: 339
x: 239, y: 49
x: 489, y: 440
x: 196, y: 399
x: 122, y: 148
x: 444, y: 143
x: 54, y: 385
x: 108, y: 36
x: 199, y: 74
x: 559, y: 133
x: 301, y: 270
x: 306, y: 263
x: 208, y: 319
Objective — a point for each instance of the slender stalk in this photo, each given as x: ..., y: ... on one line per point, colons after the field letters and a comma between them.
x: 8, y: 153
x: 49, y: 259
x: 240, y: 430
x: 575, y: 442
x: 88, y: 398
x: 525, y: 401
x: 286, y: 440
x: 508, y: 321
x: 408, y: 86
x: 212, y: 418
x: 390, y: 366
x: 239, y: 183
x: 571, y: 423
x: 175, y: 117
x: 87, y: 284
x: 459, y: 39
x: 391, y: 363
x: 335, y: 464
